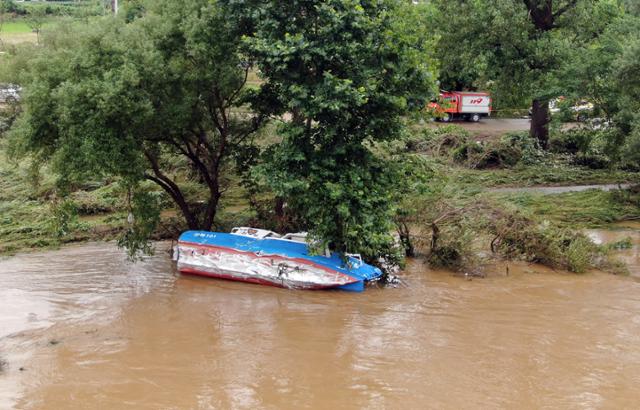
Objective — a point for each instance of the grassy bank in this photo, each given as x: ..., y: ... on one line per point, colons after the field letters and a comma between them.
x: 587, y: 209
x: 15, y: 27
x: 27, y: 211
x: 559, y: 174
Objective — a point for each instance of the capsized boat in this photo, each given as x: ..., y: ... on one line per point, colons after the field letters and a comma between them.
x: 264, y: 257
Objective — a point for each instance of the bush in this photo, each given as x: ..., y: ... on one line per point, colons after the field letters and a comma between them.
x: 520, y: 237
x: 90, y: 203
x: 580, y: 253
x: 10, y: 6
x: 442, y: 140
x: 530, y: 151
x: 572, y: 142
x: 631, y: 150
x: 454, y: 248
x: 509, y: 151
x: 498, y: 154
x: 455, y: 144
x: 64, y: 218
x: 593, y: 161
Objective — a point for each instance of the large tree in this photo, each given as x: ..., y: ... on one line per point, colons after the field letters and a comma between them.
x: 154, y: 99
x: 626, y: 75
x: 519, y: 48
x: 345, y: 71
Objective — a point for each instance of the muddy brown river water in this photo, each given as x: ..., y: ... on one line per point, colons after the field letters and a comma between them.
x: 81, y: 328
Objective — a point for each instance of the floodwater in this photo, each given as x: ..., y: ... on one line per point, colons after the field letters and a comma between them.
x: 81, y: 328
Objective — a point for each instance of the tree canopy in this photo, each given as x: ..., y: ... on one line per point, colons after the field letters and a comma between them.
x: 126, y: 99
x: 520, y: 49
x: 345, y: 71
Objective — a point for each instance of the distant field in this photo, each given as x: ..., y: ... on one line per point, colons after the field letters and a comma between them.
x: 14, y: 27
x: 17, y: 31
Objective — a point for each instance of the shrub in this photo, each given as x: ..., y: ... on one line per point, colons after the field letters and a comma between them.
x: 508, y: 151
x: 454, y: 143
x: 580, y: 253
x: 593, y: 161
x: 574, y: 141
x: 442, y: 140
x: 498, y: 154
x: 64, y: 218
x: 530, y: 151
x: 454, y: 249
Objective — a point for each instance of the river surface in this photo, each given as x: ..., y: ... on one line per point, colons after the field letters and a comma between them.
x: 81, y: 328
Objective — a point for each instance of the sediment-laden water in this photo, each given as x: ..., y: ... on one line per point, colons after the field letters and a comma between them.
x: 82, y: 328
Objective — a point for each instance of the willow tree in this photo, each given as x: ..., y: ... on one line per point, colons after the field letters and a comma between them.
x: 345, y: 71
x: 154, y: 99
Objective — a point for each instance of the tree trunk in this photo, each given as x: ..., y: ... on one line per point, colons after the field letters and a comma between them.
x: 540, y: 122
x: 210, y: 213
x: 435, y: 235
x: 282, y: 219
x: 405, y: 239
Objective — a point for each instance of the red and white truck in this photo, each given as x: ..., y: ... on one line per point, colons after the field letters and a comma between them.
x: 470, y: 106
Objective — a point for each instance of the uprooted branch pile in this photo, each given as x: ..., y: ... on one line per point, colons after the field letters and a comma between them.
x: 457, y: 235
x: 454, y: 143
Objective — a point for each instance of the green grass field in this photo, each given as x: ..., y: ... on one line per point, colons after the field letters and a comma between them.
x: 15, y: 27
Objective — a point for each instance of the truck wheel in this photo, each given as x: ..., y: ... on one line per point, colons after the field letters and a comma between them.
x: 446, y: 117
x: 475, y: 117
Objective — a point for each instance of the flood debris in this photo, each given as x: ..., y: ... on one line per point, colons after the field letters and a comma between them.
x: 456, y: 235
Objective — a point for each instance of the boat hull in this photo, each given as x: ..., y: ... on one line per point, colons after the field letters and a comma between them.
x: 268, y: 261
x: 267, y: 269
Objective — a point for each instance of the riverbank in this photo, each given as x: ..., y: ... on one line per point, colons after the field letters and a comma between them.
x: 33, y: 217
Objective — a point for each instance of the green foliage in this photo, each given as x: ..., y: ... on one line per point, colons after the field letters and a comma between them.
x: 10, y: 6
x: 627, y: 74
x: 631, y: 150
x: 625, y: 243
x: 591, y: 208
x: 143, y: 219
x: 346, y: 71
x: 523, y: 51
x: 461, y: 227
x: 453, y: 143
x: 606, y: 72
x: 124, y: 100
x: 54, y: 8
x: 543, y: 243
x: 572, y: 142
x: 64, y: 218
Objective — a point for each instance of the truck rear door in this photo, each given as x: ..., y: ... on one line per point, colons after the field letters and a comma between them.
x: 475, y: 104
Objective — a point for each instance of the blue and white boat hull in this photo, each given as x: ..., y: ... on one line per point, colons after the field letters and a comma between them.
x: 269, y: 261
